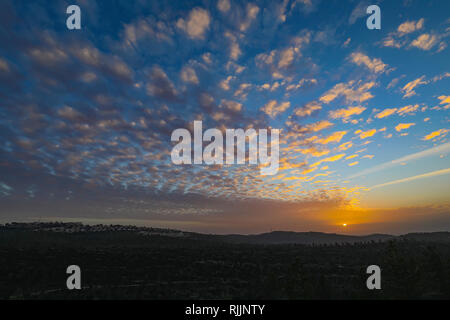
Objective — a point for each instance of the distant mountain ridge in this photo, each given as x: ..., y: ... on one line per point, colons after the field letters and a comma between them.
x: 286, y: 237
x: 274, y: 237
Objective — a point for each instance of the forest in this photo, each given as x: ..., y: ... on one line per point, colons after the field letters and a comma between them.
x: 127, y: 265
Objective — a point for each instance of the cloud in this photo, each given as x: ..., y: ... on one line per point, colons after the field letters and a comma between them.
x: 435, y: 134
x: 49, y: 56
x: 88, y: 77
x: 367, y: 134
x: 318, y: 126
x: 410, y: 26
x: 390, y: 41
x: 329, y: 159
x: 206, y: 57
x: 397, y: 39
x: 107, y: 64
x: 269, y: 87
x: 281, y: 61
x: 188, y: 75
x: 160, y: 86
x: 444, y: 99
x: 307, y: 109
x: 441, y: 76
x: 442, y: 46
x: 225, y: 84
x: 197, y: 23
x: 145, y: 29
x: 265, y: 58
x: 375, y: 65
x: 353, y: 164
x: 232, y: 106
x: 345, y: 146
x: 307, y: 5
x: 417, y: 177
x: 4, y: 66
x: 346, y: 113
x: 242, y: 91
x: 425, y: 41
x: 69, y: 113
x: 408, y: 109
x: 280, y: 10
x: 314, y: 151
x: 301, y: 83
x: 272, y: 108
x: 358, y: 12
x: 351, y: 91
x: 385, y: 113
x: 223, y: 5
x: 394, y: 81
x: 286, y: 58
x: 227, y: 112
x: 297, y: 129
x: 252, y: 11
x: 443, y: 148
x: 235, y: 50
x: 334, y: 137
x: 403, y: 126
x: 408, y: 89
x: 5, y: 190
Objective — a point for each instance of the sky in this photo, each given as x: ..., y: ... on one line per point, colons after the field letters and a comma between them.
x: 86, y: 116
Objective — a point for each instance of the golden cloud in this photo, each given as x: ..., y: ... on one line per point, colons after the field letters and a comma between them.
x: 435, y: 134
x: 385, y: 113
x: 334, y: 137
x: 317, y: 126
x: 408, y: 89
x: 375, y: 65
x: 272, y: 108
x: 444, y: 99
x: 408, y: 109
x: 403, y: 126
x: 345, y: 113
x: 329, y: 159
x: 367, y: 134
x: 345, y: 146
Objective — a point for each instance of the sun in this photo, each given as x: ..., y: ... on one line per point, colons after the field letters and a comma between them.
x: 344, y: 224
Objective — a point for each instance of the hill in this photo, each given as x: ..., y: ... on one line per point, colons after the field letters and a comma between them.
x: 275, y: 237
x: 286, y: 237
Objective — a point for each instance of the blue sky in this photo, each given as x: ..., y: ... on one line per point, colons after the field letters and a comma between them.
x: 87, y: 115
